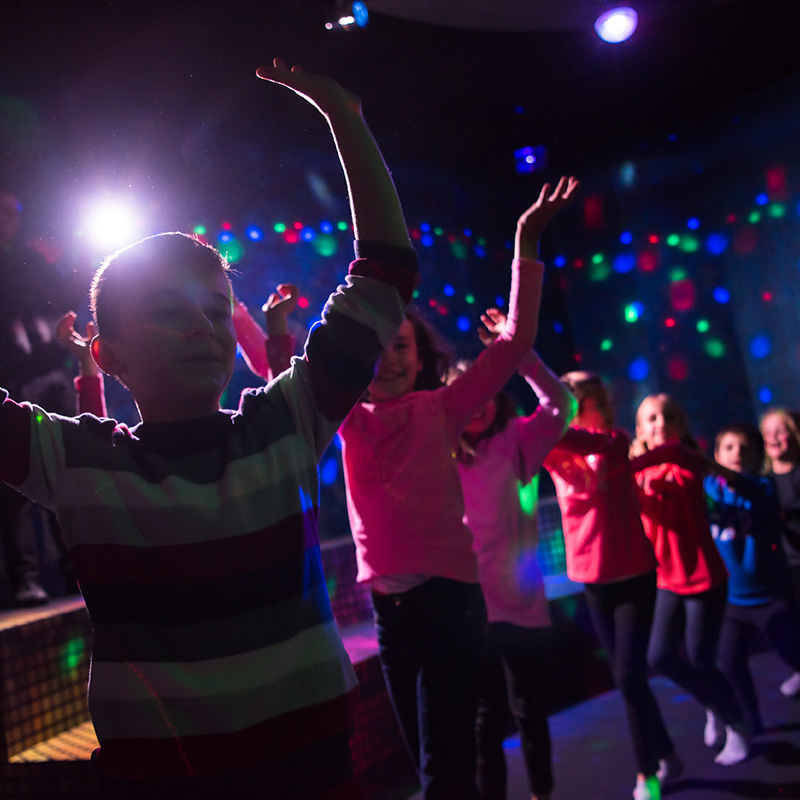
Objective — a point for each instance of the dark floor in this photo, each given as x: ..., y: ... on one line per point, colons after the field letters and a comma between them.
x: 593, y: 758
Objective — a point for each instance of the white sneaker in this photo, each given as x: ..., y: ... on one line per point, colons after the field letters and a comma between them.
x: 791, y: 686
x: 736, y: 750
x: 647, y: 789
x: 714, y: 732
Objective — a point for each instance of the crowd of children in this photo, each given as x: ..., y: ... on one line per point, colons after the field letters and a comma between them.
x: 217, y: 665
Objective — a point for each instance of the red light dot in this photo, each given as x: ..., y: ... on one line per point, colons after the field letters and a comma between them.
x: 432, y: 303
x: 415, y: 234
x: 303, y: 302
x: 226, y: 226
x: 731, y: 218
x: 298, y: 226
x: 670, y: 322
x: 647, y: 262
x: 578, y: 263
x: 653, y: 239
x: 766, y: 297
x: 291, y: 237
x: 578, y: 357
x: 678, y: 368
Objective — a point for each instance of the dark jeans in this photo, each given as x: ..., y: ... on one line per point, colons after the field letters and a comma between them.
x: 431, y: 642
x: 694, y: 620
x: 777, y: 623
x: 515, y: 684
x: 19, y: 543
x: 622, y: 613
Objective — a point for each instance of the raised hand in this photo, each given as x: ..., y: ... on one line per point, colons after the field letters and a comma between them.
x: 279, y: 305
x: 321, y: 91
x: 79, y: 346
x: 535, y: 219
x: 494, y: 321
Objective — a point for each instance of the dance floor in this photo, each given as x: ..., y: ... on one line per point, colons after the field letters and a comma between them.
x: 593, y: 758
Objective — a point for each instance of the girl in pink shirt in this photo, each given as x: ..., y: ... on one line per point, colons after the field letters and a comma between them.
x: 406, y: 509
x: 608, y: 552
x: 692, y: 578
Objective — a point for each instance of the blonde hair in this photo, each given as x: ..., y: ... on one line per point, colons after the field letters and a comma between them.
x: 792, y: 422
x: 669, y: 403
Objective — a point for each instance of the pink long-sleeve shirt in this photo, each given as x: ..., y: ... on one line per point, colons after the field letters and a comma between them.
x: 506, y: 535
x: 404, y: 495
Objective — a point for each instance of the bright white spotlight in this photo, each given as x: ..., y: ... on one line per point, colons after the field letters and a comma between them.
x: 616, y: 25
x: 112, y: 225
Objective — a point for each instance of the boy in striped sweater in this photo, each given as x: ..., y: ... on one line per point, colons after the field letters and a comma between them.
x: 217, y: 670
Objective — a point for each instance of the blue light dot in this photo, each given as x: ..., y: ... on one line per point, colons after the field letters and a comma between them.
x: 448, y: 290
x: 427, y: 240
x: 255, y: 234
x: 480, y: 252
x: 425, y: 226
x: 624, y: 262
x: 638, y: 369
x: 626, y: 237
x: 307, y: 234
x: 329, y: 471
x: 558, y: 327
x: 499, y: 301
x: 463, y: 323
x: 693, y: 224
x: 762, y: 199
x: 721, y: 294
x: 519, y: 109
x: 225, y: 236
x: 467, y: 232
x: 716, y: 243
x: 760, y: 346
x: 326, y: 227
x: 561, y: 261
x: 765, y: 395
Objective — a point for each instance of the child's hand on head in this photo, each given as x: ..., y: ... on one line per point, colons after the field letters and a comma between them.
x: 79, y: 346
x: 322, y: 92
x: 494, y: 321
x: 535, y: 219
x: 637, y: 448
x: 279, y: 305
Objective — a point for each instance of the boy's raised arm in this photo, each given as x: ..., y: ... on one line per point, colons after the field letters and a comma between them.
x: 374, y: 205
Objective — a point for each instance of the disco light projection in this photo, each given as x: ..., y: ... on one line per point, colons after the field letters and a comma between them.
x: 760, y: 346
x: 112, y: 224
x: 357, y: 18
x: 765, y: 395
x: 530, y: 159
x: 617, y: 24
x: 633, y: 311
x: 638, y: 369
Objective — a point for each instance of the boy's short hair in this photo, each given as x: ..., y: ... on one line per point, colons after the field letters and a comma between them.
x: 125, y: 267
x: 750, y: 432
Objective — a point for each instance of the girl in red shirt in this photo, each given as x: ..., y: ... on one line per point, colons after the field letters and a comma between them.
x: 692, y: 579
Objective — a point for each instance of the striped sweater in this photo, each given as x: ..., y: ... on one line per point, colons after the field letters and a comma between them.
x: 196, y: 548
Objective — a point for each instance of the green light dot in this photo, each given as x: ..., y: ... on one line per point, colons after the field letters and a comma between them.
x: 459, y: 250
x: 703, y: 326
x: 754, y: 217
x: 482, y: 242
x: 689, y: 244
x: 606, y: 344
x: 342, y: 226
x: 199, y: 230
x: 528, y: 497
x: 673, y: 240
x: 677, y: 274
x: 470, y: 298
x: 631, y: 313
x: 597, y: 258
x: 232, y: 251
x: 325, y: 245
x: 40, y: 418
x: 438, y: 231
x: 715, y: 348
x: 777, y: 210
x: 415, y: 294
x: 598, y: 272
x: 279, y: 227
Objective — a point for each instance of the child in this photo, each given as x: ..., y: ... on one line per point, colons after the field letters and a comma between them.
x: 406, y: 509
x: 89, y: 393
x: 782, y: 461
x: 691, y: 596
x: 217, y: 669
x: 608, y: 552
x: 747, y: 529
x: 501, y: 453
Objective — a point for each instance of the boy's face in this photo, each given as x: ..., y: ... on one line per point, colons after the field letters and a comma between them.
x: 735, y: 453
x: 176, y: 345
x: 397, y: 368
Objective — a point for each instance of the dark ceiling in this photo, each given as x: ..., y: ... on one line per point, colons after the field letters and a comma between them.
x: 152, y: 76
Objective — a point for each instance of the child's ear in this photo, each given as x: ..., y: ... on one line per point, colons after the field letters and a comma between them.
x: 106, y: 357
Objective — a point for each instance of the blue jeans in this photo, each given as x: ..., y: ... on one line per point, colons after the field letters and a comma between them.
x: 431, y: 643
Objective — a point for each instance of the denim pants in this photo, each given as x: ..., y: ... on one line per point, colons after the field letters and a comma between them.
x: 431, y: 643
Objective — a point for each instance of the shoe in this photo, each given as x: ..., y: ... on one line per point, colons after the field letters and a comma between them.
x: 30, y: 593
x: 736, y: 750
x: 647, y: 789
x: 669, y: 768
x: 791, y: 686
x: 714, y: 731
